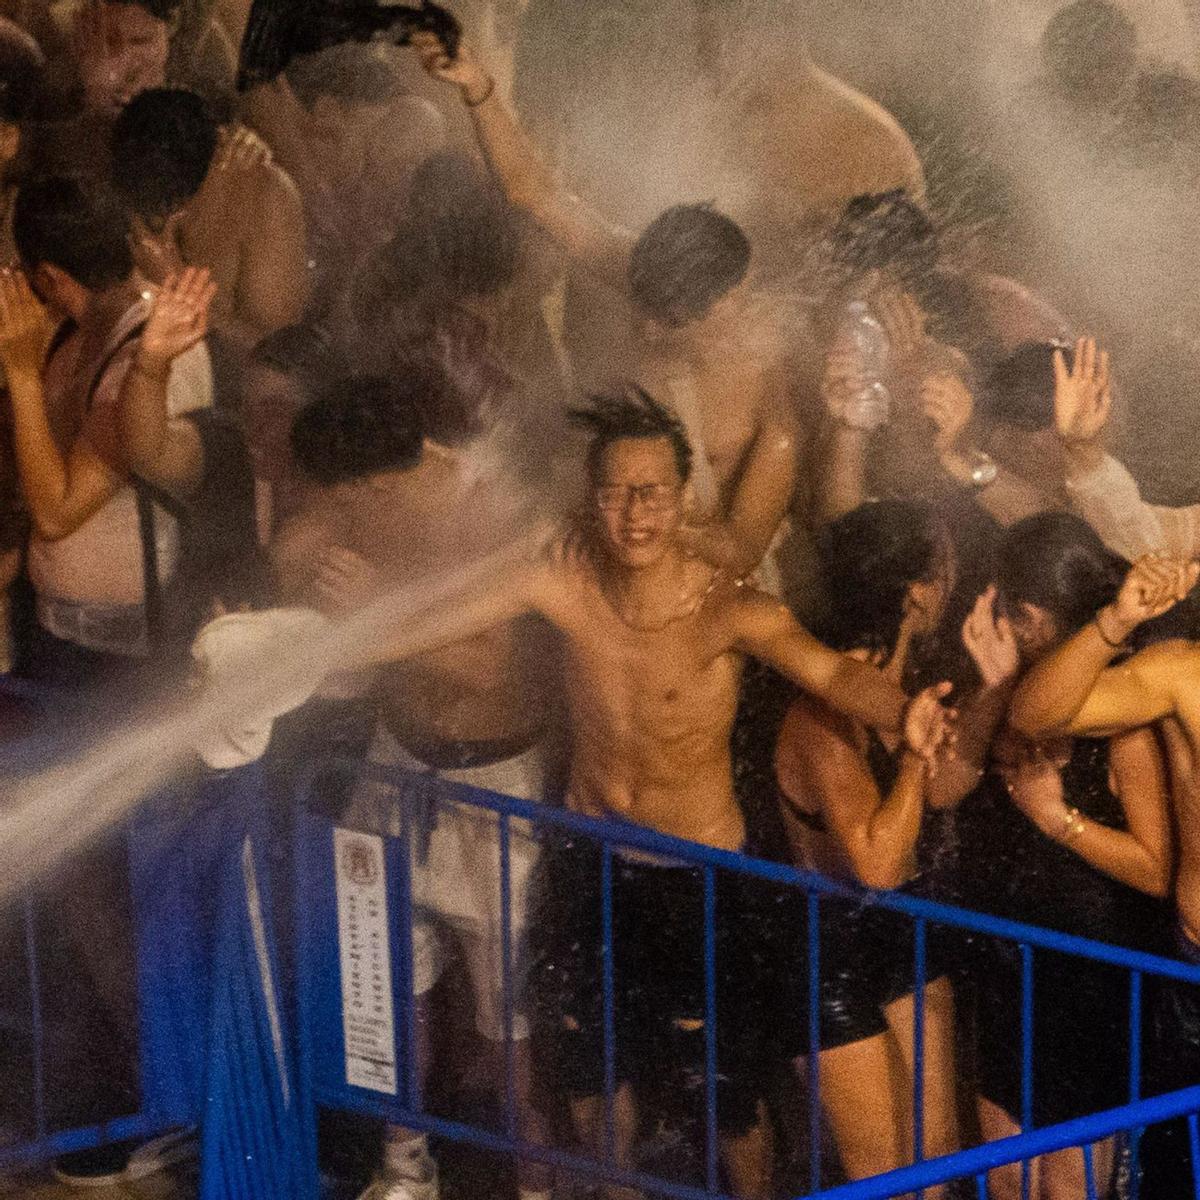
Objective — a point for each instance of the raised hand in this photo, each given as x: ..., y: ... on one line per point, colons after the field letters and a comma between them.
x: 904, y: 321
x: 26, y: 328
x: 1083, y: 394
x: 928, y: 723
x: 850, y: 398
x: 179, y: 316
x: 990, y: 642
x: 241, y: 149
x: 947, y: 402
x: 1154, y: 585
x: 159, y: 255
x: 464, y: 71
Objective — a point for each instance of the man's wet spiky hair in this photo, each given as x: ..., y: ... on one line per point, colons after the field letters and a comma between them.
x: 630, y: 412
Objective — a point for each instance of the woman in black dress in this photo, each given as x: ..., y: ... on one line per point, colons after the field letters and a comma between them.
x: 1073, y: 836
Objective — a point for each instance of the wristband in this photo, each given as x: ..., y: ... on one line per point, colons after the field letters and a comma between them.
x: 488, y: 93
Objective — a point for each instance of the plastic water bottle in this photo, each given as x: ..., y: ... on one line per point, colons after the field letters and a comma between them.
x: 860, y: 335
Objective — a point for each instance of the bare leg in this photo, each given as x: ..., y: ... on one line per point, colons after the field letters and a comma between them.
x: 1064, y: 1177
x: 863, y: 1095
x: 1004, y: 1183
x: 588, y: 1116
x: 941, y: 1105
x: 748, y: 1159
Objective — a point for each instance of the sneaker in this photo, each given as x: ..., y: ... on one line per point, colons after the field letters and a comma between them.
x: 101, y: 1167
x: 159, y: 1153
x: 386, y: 1189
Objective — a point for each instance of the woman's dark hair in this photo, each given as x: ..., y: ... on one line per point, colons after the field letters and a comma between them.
x: 631, y: 412
x: 163, y: 144
x: 78, y: 227
x: 886, y: 230
x: 688, y: 258
x: 303, y: 352
x: 1057, y: 562
x: 359, y: 427
x: 1019, y: 391
x: 871, y: 557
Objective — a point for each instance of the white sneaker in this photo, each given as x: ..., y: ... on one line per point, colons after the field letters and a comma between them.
x: 416, y: 1173
x: 386, y: 1189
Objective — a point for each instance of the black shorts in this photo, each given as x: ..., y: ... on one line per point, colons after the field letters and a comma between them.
x: 658, y: 974
x: 866, y: 961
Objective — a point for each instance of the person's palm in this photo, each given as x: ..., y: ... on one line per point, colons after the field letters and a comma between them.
x: 1082, y: 393
x: 1153, y: 586
x: 990, y: 642
x: 927, y: 722
x: 26, y: 328
x: 179, y: 317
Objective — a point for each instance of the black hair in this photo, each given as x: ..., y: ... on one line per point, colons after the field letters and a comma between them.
x: 160, y: 10
x: 631, y: 412
x: 460, y: 380
x: 871, y: 557
x: 462, y: 237
x: 77, y: 226
x: 304, y: 352
x: 358, y: 427
x: 885, y: 229
x: 1019, y: 391
x: 1090, y: 47
x: 1057, y: 562
x: 685, y: 261
x: 352, y: 74
x: 21, y: 67
x: 163, y: 144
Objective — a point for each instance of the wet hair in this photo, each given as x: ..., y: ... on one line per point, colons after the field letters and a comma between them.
x: 303, y: 353
x: 163, y: 144
x: 1019, y: 391
x: 625, y: 414
x: 885, y: 230
x: 358, y: 427
x: 462, y: 236
x: 77, y: 226
x: 160, y: 10
x: 351, y: 74
x: 21, y: 67
x: 871, y: 557
x: 1057, y: 562
x: 459, y: 379
x: 1090, y: 47
x: 686, y: 260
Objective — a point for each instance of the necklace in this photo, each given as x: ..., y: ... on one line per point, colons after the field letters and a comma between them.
x: 691, y: 606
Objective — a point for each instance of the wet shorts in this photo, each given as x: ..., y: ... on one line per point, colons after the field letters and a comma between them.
x: 658, y: 974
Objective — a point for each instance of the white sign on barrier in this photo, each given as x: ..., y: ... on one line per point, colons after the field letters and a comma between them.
x: 368, y: 1018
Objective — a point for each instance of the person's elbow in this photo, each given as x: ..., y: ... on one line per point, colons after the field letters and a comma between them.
x: 55, y: 526
x: 879, y: 876
x: 1031, y: 718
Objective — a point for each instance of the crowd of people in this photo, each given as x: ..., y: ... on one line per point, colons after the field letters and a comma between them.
x: 344, y: 333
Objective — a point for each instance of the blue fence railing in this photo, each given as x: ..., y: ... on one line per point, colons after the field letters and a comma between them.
x: 217, y: 1045
x: 321, y: 934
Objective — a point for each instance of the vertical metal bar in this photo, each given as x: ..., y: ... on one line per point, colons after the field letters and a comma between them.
x: 1193, y: 1122
x: 610, y: 1034
x: 814, y: 1039
x: 408, y: 1020
x: 506, y: 980
x: 1026, y: 1059
x: 1135, y: 1079
x: 35, y: 1004
x: 981, y: 1190
x: 919, y: 968
x: 1089, y: 1172
x: 711, y: 1169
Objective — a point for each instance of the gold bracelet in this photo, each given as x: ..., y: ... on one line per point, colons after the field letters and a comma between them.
x: 1072, y: 827
x: 489, y: 92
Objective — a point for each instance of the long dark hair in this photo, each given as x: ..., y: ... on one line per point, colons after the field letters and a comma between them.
x: 872, y: 556
x: 1057, y: 562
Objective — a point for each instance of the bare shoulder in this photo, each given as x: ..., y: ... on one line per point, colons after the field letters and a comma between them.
x: 1168, y: 663
x: 749, y: 612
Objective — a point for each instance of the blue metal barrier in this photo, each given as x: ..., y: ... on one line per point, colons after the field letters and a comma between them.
x: 212, y: 1046
x: 395, y: 1096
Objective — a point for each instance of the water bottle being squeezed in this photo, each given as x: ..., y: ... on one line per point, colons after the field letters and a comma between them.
x: 861, y: 336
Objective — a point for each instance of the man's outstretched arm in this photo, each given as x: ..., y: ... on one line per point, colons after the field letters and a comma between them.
x: 1070, y: 690
x: 766, y: 630
x: 595, y: 243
